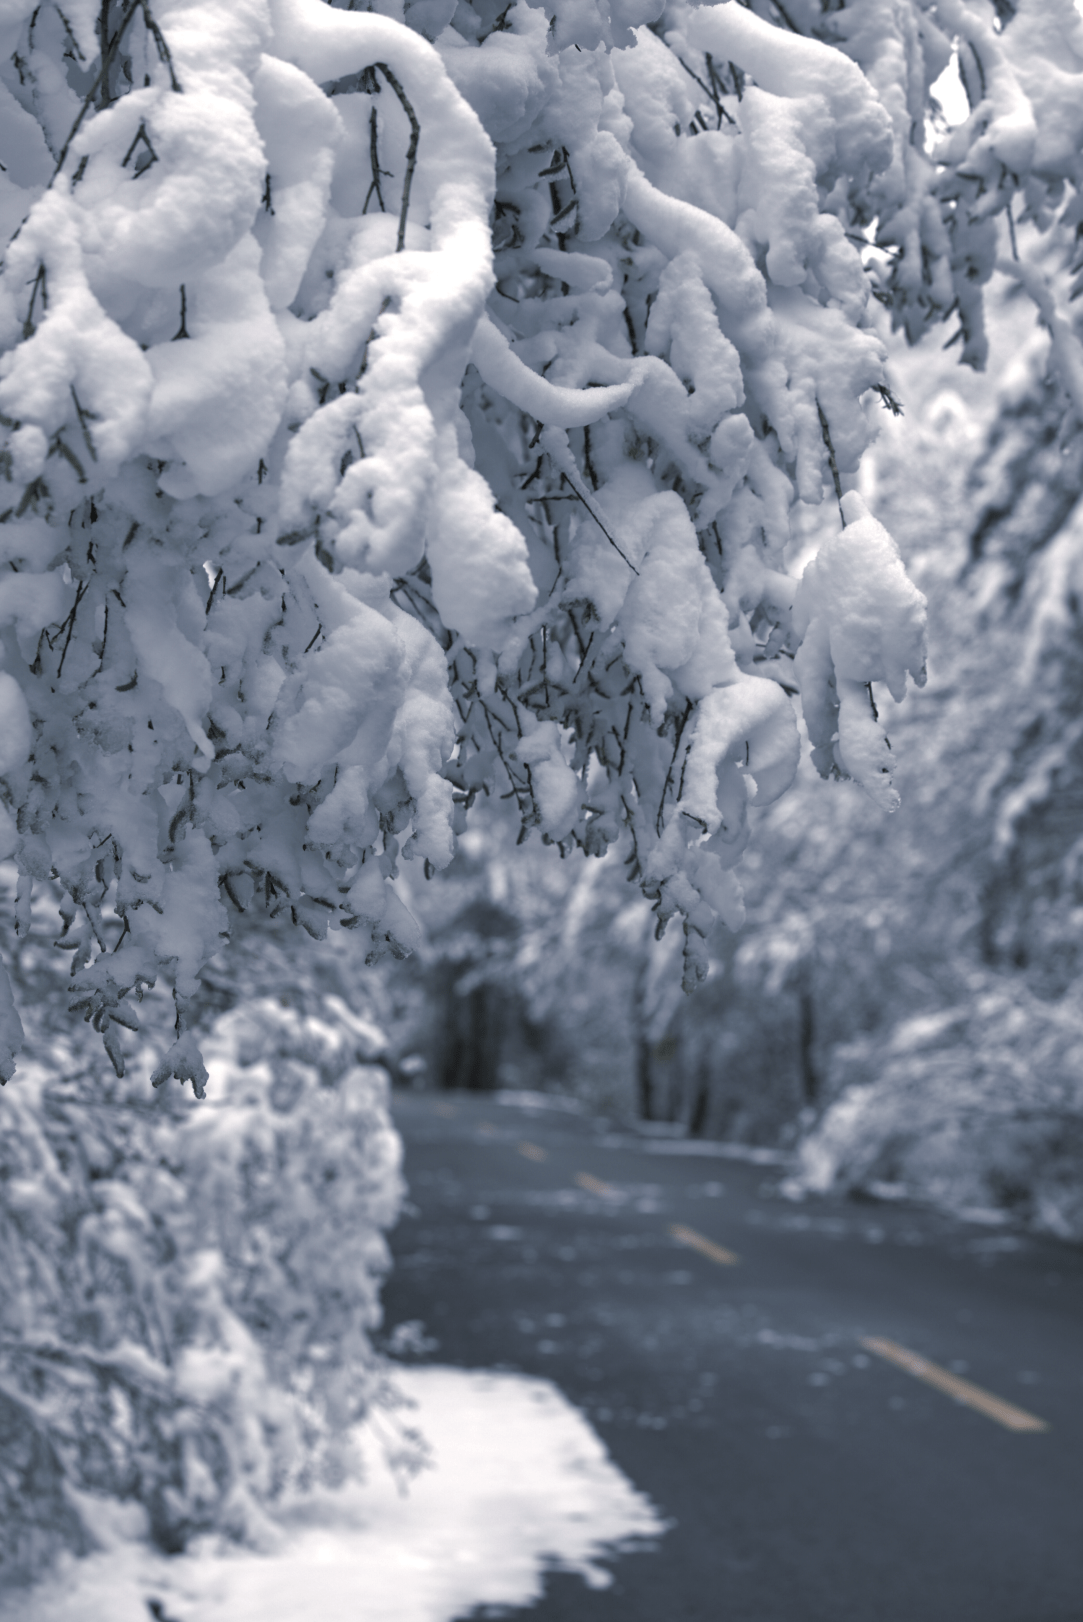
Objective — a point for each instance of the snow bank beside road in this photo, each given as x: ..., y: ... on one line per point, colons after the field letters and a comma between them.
x: 520, y: 1484
x: 977, y: 1109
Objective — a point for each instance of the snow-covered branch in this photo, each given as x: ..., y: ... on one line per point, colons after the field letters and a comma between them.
x: 399, y: 407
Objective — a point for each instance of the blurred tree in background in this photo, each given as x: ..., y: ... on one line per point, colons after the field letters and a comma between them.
x: 903, y: 1000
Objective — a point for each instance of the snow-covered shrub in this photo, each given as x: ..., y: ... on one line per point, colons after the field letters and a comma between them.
x: 295, y: 1172
x: 978, y: 1108
x: 187, y: 1291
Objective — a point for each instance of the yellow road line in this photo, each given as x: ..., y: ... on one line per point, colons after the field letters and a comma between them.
x: 706, y: 1247
x: 995, y: 1408
x: 533, y: 1151
x: 593, y: 1185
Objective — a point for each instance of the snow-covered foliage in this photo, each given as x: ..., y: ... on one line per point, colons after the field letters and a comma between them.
x: 977, y: 1107
x: 386, y: 420
x: 904, y: 996
x: 404, y: 405
x: 187, y: 1291
x: 960, y: 1080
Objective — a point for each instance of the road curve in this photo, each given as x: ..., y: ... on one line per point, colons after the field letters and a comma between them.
x: 849, y: 1413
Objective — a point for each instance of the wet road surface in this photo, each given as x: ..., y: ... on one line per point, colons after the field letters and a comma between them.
x: 761, y: 1369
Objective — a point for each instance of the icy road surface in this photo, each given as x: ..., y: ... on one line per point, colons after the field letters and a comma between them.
x: 851, y: 1413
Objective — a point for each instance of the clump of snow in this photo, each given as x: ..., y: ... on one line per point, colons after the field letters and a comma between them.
x: 861, y: 620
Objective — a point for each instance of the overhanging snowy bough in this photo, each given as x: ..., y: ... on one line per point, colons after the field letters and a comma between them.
x: 385, y: 423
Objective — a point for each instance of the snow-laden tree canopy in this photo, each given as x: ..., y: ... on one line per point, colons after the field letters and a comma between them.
x: 397, y: 407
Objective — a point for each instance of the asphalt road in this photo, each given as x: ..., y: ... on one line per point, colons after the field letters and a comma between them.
x: 807, y: 1477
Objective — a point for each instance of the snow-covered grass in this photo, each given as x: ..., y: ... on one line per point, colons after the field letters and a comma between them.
x: 519, y: 1483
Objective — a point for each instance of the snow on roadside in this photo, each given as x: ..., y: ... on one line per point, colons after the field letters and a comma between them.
x: 977, y: 1109
x: 520, y: 1484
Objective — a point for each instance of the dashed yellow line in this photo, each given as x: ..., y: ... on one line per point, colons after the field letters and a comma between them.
x: 705, y: 1246
x: 952, y: 1385
x: 983, y: 1402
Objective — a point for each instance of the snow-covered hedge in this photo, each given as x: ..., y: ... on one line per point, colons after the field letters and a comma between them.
x: 186, y: 1291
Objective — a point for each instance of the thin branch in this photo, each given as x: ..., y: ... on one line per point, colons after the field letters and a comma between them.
x: 80, y: 592
x: 581, y: 497
x: 105, y: 641
x: 146, y: 159
x: 40, y: 282
x: 110, y: 47
x: 712, y: 94
x: 164, y: 54
x: 411, y: 151
x: 182, y: 330
x: 85, y: 417
x: 374, y: 159
x: 682, y: 722
x: 825, y: 429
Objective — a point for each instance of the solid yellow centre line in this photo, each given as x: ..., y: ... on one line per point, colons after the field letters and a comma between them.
x: 705, y: 1246
x: 533, y: 1151
x: 593, y: 1185
x: 995, y: 1408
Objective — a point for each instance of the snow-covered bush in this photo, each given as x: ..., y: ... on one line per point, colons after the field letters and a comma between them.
x: 978, y: 1108
x: 187, y: 1291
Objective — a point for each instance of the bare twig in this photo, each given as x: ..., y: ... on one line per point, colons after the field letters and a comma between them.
x: 84, y: 417
x: 711, y: 91
x: 164, y: 54
x: 411, y: 151
x: 682, y: 722
x: 146, y: 159
x: 40, y: 283
x: 581, y: 497
x: 80, y: 591
x: 374, y: 159
x: 109, y: 48
x: 182, y: 330
x: 825, y: 429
